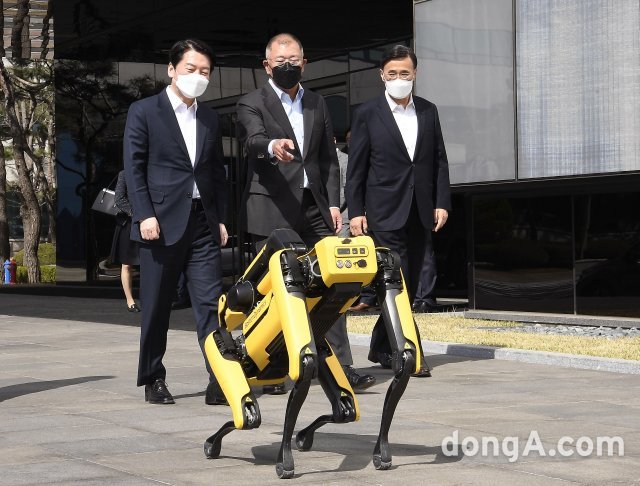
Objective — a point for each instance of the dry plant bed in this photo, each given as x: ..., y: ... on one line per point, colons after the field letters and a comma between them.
x: 453, y: 328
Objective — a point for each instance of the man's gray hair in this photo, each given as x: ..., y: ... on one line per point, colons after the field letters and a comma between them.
x: 282, y: 39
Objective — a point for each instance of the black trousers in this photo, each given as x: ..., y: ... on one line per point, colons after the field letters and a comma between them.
x: 197, y: 256
x: 312, y: 227
x: 413, y: 243
x: 427, y: 279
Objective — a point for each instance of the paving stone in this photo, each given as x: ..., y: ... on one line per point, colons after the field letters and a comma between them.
x: 70, y: 413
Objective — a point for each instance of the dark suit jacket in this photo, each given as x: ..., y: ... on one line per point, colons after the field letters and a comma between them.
x: 159, y: 172
x: 273, y: 194
x: 382, y: 179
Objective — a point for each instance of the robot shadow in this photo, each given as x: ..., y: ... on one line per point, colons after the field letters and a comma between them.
x: 383, y: 375
x: 357, y: 450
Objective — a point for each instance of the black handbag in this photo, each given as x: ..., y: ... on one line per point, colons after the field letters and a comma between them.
x: 105, y: 201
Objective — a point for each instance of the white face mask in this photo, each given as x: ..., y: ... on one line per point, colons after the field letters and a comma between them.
x: 192, y: 85
x: 399, y: 88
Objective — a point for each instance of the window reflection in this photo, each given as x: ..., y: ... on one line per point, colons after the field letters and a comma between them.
x: 608, y: 254
x: 465, y: 66
x: 523, y: 254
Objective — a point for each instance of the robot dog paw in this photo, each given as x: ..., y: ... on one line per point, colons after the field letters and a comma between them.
x: 304, y: 441
x: 211, y: 449
x: 381, y: 464
x: 284, y: 473
x: 382, y: 455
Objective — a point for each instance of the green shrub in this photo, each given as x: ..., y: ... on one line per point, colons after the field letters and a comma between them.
x: 47, y: 274
x: 46, y: 255
x: 21, y: 275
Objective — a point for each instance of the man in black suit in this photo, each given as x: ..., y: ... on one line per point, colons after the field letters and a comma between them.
x: 398, y: 177
x: 293, y: 177
x: 177, y: 186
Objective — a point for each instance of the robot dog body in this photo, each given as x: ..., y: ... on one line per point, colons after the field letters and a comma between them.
x: 284, y: 304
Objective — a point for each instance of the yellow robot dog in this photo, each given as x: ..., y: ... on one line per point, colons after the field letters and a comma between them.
x: 284, y: 304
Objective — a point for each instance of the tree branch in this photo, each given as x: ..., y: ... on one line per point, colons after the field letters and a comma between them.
x: 18, y: 26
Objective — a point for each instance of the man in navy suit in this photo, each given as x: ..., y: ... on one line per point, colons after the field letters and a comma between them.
x: 398, y: 177
x: 177, y: 186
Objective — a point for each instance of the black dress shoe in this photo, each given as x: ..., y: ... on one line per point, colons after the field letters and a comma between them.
x: 422, y: 307
x: 362, y: 306
x: 133, y: 308
x: 214, y: 395
x: 158, y: 393
x: 180, y: 304
x: 357, y: 381
x: 277, y: 389
x: 383, y: 358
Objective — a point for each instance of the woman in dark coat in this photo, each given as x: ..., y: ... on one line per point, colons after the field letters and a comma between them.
x: 123, y: 249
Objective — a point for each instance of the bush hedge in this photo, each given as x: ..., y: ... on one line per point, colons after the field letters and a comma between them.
x: 46, y: 255
x: 47, y: 274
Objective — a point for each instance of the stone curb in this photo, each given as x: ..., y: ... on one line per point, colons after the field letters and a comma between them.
x: 521, y: 355
x: 564, y: 319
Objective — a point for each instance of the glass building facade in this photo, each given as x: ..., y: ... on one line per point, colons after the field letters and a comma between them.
x: 110, y: 53
x: 540, y: 106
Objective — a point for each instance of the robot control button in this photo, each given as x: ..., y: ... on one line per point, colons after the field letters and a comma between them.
x: 347, y: 264
x: 362, y: 263
x: 339, y: 264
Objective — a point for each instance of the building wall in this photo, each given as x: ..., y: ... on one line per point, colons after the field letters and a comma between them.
x: 110, y: 53
x: 540, y: 106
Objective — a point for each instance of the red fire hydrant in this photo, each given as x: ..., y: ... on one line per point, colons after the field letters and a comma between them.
x: 12, y: 270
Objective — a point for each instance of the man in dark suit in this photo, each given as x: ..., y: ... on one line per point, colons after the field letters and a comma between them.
x: 398, y: 177
x: 177, y: 186
x: 293, y: 177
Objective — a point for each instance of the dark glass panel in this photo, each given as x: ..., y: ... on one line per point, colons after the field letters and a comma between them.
x: 144, y: 30
x: 94, y: 91
x: 523, y: 254
x: 91, y: 109
x: 608, y: 254
x: 364, y: 85
x: 450, y: 246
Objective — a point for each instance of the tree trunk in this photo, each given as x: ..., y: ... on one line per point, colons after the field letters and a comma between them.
x: 45, y: 30
x: 2, y: 51
x: 4, y: 222
x: 50, y: 175
x: 48, y: 192
x: 22, y: 12
x: 30, y: 209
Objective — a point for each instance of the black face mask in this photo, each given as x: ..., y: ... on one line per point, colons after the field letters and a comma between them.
x: 286, y: 76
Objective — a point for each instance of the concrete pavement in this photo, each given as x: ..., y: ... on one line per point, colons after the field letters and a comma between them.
x: 70, y: 414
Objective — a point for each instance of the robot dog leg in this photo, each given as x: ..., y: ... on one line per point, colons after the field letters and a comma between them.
x: 220, y: 350
x: 400, y: 326
x: 336, y: 386
x: 288, y: 284
x: 264, y: 353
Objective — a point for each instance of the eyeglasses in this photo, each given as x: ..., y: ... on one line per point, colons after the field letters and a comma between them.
x: 404, y: 75
x: 280, y: 61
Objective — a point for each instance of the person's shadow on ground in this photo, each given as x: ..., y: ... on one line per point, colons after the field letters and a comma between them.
x: 21, y: 389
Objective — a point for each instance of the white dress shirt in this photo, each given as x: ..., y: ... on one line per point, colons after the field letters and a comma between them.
x: 186, y: 116
x: 293, y: 109
x: 407, y: 121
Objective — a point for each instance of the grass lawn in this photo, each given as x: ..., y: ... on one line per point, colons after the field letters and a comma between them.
x: 453, y: 328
